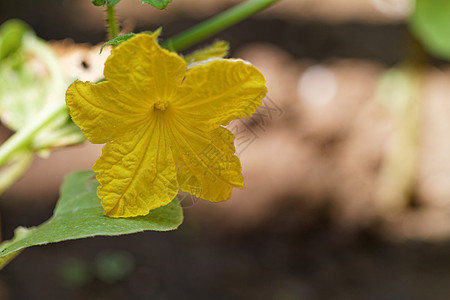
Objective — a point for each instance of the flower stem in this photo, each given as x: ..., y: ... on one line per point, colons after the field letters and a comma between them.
x: 113, y: 29
x: 216, y: 24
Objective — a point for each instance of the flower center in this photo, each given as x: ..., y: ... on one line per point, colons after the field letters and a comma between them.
x: 161, y: 105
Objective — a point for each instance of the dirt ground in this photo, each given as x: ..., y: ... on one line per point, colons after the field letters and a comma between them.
x: 346, y: 169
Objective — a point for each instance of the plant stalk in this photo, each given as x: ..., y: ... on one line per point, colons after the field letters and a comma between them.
x: 113, y: 29
x: 216, y: 24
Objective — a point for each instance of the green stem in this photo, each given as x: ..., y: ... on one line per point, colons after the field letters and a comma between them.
x: 113, y: 29
x: 216, y: 24
x: 23, y: 138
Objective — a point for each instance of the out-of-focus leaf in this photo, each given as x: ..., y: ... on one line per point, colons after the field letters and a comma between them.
x: 75, y: 272
x: 114, y: 266
x: 78, y: 214
x: 430, y: 22
x: 11, y: 36
x: 160, y: 4
x: 32, y: 78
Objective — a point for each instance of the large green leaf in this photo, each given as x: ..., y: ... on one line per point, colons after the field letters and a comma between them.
x: 78, y: 214
x: 430, y: 22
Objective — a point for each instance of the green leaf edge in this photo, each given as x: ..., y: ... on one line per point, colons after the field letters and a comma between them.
x: 120, y: 39
x: 9, y: 249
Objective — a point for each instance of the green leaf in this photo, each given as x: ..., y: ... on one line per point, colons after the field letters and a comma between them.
x: 98, y: 2
x: 118, y: 40
x: 161, y: 4
x: 103, y: 2
x: 430, y: 22
x: 19, y: 233
x: 78, y: 214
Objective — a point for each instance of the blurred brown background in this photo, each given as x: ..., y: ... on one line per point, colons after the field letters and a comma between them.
x: 346, y: 166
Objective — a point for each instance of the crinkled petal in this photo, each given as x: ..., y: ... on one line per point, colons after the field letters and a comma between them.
x: 136, y: 172
x: 102, y: 112
x: 219, y: 91
x: 207, y: 165
x: 141, y: 68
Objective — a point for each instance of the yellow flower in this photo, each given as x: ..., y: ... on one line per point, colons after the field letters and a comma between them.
x: 162, y: 122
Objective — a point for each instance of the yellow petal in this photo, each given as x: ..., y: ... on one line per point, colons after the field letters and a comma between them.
x: 220, y: 91
x: 101, y: 111
x: 136, y: 172
x: 207, y: 166
x: 140, y: 67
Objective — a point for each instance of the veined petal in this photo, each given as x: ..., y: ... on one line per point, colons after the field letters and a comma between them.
x: 207, y: 165
x: 141, y: 68
x: 136, y: 172
x: 101, y: 111
x: 220, y: 91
